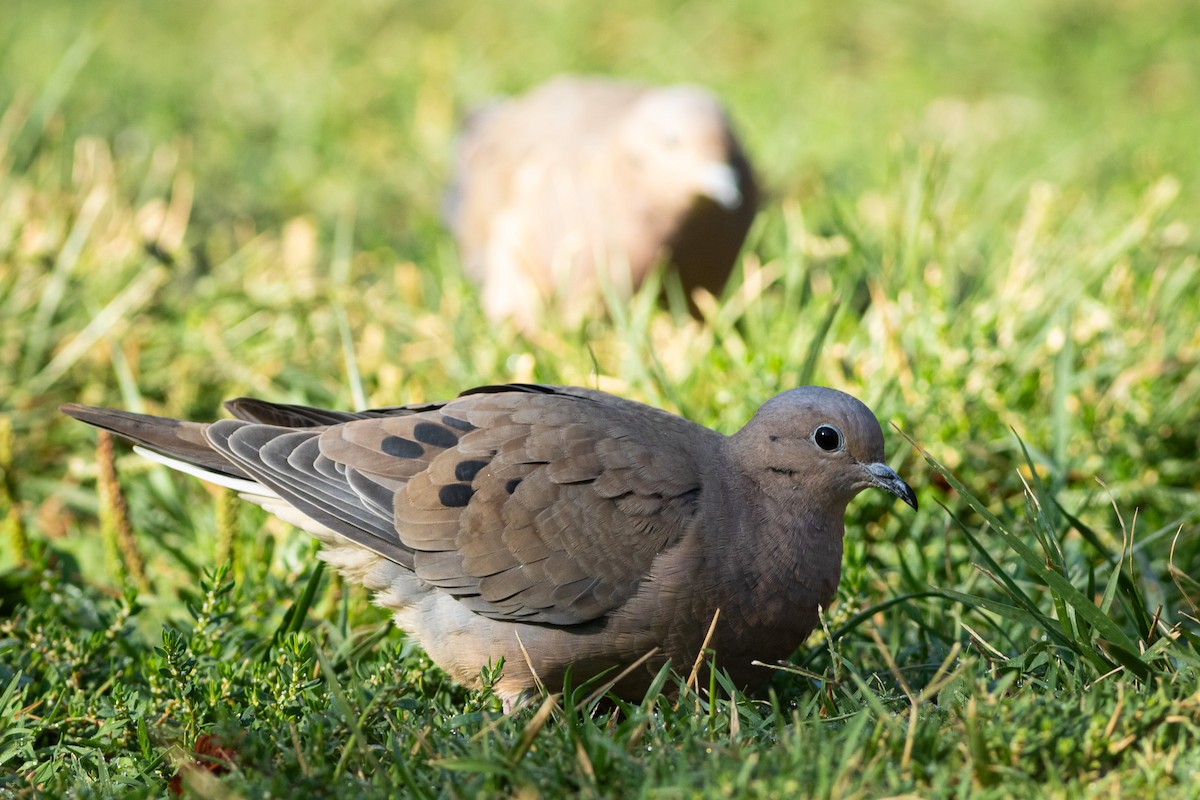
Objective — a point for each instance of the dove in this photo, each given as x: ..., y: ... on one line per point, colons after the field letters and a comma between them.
x: 564, y: 530
x: 584, y: 184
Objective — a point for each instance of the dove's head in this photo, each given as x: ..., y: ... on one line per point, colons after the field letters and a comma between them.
x: 820, y: 445
x: 680, y: 137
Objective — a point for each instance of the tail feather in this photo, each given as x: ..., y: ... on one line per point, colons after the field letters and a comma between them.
x: 177, y: 439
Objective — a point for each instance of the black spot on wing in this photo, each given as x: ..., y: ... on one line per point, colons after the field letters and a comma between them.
x: 435, y: 435
x: 455, y: 495
x: 454, y: 422
x: 512, y: 485
x: 400, y: 447
x: 467, y: 470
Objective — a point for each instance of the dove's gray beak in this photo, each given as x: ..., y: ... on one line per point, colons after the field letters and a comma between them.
x: 884, y: 477
x: 719, y: 181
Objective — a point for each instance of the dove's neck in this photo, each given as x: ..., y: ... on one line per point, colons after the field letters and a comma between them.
x: 804, y: 540
x: 775, y: 564
x: 783, y: 557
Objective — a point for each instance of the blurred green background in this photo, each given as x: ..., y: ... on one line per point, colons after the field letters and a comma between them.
x: 980, y: 219
x: 968, y: 185
x: 287, y: 110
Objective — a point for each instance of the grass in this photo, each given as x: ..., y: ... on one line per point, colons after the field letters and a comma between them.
x: 981, y: 222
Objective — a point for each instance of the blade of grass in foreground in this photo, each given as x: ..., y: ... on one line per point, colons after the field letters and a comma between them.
x: 1104, y: 636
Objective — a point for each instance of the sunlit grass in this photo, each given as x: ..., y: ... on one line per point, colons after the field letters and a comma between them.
x: 983, y: 224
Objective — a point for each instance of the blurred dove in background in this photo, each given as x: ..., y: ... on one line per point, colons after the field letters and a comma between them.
x: 587, y: 181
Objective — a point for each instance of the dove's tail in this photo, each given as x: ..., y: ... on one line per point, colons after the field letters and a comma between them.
x: 176, y: 443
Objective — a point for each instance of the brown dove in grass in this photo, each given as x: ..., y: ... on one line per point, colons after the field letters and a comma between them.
x: 558, y: 527
x: 585, y: 184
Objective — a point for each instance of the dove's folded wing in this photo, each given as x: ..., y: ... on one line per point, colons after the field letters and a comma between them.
x: 540, y: 505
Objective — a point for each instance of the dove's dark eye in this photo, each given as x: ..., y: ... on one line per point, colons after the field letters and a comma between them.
x: 827, y: 437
